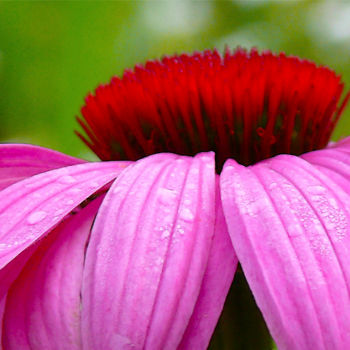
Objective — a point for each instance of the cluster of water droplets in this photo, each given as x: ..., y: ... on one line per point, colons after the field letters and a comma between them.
x: 332, y: 215
x: 168, y: 200
x: 60, y: 204
x: 36, y: 217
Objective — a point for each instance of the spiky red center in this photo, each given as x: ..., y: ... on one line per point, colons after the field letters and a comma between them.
x: 244, y: 105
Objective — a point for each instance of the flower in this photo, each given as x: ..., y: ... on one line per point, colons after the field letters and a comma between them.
x: 139, y: 251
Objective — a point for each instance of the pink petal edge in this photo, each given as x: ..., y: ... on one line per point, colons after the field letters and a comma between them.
x: 31, y: 208
x: 19, y: 161
x: 43, y: 304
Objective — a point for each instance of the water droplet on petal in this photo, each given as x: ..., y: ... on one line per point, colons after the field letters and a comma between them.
x: 165, y: 234
x: 316, y: 189
x: 180, y: 230
x: 294, y: 230
x: 166, y: 195
x: 58, y: 212
x: 186, y: 214
x: 333, y: 202
x: 31, y: 185
x: 36, y: 217
x: 67, y: 179
x: 272, y: 185
x: 191, y: 186
x: 159, y: 261
x: 316, y: 198
x: 117, y: 189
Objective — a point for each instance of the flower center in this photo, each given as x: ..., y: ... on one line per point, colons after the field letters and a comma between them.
x: 244, y: 105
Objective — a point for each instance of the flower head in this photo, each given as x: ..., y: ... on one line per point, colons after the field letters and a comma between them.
x: 139, y: 252
x: 244, y: 105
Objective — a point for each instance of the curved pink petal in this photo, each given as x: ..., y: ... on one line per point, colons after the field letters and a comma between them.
x: 148, y: 253
x: 43, y: 304
x: 345, y: 142
x: 222, y: 264
x: 19, y: 161
x: 289, y: 225
x: 31, y: 208
x: 8, y: 275
x: 333, y: 161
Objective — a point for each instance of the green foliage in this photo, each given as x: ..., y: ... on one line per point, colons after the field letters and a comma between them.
x: 53, y: 53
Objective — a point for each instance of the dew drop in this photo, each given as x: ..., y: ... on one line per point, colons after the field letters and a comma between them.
x: 316, y: 189
x: 166, y: 195
x: 165, y: 234
x: 180, y: 230
x: 294, y: 230
x: 316, y: 198
x: 187, y: 215
x: 187, y: 201
x: 30, y: 185
x: 333, y: 202
x: 67, y: 179
x: 36, y: 217
x: 159, y: 261
x: 117, y: 189
x: 272, y: 185
x: 59, y: 212
x: 195, y: 171
x: 191, y: 186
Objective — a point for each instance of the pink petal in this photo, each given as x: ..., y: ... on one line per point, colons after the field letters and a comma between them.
x: 19, y: 161
x: 333, y: 161
x: 216, y: 283
x: 43, y: 304
x: 31, y: 208
x: 148, y: 253
x: 345, y: 142
x: 289, y: 222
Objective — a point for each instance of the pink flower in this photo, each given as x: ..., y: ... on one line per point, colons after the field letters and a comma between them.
x: 139, y: 252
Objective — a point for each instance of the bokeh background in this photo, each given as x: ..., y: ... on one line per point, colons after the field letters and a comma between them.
x: 53, y: 53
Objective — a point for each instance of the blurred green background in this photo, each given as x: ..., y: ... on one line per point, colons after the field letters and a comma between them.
x: 53, y: 53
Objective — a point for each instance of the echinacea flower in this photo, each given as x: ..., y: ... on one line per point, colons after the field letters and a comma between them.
x: 139, y: 251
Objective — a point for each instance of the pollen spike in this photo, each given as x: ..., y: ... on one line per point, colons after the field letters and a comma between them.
x: 244, y: 105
